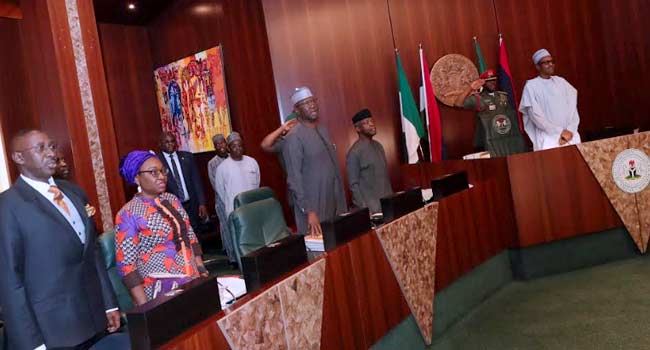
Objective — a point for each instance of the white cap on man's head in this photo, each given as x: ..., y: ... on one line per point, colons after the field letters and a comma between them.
x: 234, y: 136
x: 300, y: 94
x: 539, y: 55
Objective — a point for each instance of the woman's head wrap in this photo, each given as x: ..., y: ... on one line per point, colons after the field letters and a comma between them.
x: 132, y: 163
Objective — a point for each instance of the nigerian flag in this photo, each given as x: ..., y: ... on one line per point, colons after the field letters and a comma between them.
x: 412, y: 127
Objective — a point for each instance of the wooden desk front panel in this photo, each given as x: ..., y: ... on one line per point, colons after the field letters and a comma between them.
x: 473, y: 225
x: 362, y: 301
x: 556, y: 196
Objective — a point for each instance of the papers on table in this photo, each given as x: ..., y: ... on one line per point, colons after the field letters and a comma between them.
x: 314, y: 243
x: 158, y: 275
x: 478, y: 155
x: 230, y: 288
x: 427, y: 194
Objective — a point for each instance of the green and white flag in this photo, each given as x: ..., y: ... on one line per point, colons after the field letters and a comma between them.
x: 479, y: 57
x: 412, y: 127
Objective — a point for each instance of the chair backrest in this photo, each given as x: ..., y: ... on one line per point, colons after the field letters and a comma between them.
x: 107, y: 244
x: 253, y: 196
x: 257, y: 224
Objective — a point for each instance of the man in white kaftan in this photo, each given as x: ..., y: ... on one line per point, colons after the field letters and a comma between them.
x: 549, y: 105
x: 237, y: 174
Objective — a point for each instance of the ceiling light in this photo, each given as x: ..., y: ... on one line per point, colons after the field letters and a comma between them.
x: 131, y: 6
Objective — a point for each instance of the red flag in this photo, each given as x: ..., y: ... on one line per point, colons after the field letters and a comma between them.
x: 429, y: 106
x: 505, y: 80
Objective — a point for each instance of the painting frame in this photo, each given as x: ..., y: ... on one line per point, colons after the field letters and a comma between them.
x: 192, y: 98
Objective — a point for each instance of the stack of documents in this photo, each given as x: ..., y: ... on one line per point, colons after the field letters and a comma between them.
x: 314, y: 243
x: 478, y: 155
x: 230, y: 289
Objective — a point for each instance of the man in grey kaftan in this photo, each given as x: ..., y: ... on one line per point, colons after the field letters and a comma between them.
x: 313, y: 172
x: 366, y: 165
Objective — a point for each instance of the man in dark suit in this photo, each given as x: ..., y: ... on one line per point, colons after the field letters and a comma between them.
x: 54, y: 289
x: 183, y: 180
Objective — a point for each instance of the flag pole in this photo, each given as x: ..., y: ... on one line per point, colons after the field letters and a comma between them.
x: 423, y: 98
x: 403, y: 147
x: 426, y: 126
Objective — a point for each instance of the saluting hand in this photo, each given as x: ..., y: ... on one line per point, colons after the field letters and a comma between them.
x: 476, y: 84
x: 286, y: 127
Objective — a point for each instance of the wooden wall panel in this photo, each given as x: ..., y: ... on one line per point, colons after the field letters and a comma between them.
x: 15, y: 92
x: 626, y: 56
x: 556, y: 196
x: 39, y: 55
x: 187, y: 27
x: 129, y: 76
x: 132, y: 53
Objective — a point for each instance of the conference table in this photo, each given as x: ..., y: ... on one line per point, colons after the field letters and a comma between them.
x: 514, y: 202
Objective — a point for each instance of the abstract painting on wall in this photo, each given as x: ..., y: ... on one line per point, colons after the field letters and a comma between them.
x: 193, y: 101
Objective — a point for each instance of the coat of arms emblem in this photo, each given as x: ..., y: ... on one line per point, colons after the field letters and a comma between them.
x: 501, y: 124
x: 631, y: 170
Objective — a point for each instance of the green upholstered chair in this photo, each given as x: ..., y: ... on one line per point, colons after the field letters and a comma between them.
x: 255, y: 225
x: 107, y: 244
x: 253, y: 196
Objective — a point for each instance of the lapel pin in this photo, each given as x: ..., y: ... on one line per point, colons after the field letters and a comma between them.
x: 90, y: 210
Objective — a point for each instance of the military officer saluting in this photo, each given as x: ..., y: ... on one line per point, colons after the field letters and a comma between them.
x: 497, y: 127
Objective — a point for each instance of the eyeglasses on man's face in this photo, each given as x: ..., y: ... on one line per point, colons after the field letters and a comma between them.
x: 41, y: 147
x: 155, y: 172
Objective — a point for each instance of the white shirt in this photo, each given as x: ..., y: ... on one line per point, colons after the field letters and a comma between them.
x: 549, y: 106
x: 74, y: 219
x: 234, y: 177
x: 180, y: 171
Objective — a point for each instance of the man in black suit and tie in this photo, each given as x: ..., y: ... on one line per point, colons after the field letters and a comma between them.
x: 183, y: 180
x: 54, y: 289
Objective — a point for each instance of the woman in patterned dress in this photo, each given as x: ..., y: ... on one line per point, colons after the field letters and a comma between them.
x: 157, y: 250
